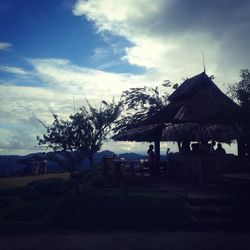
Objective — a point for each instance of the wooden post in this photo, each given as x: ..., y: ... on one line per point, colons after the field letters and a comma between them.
x: 179, y: 146
x: 157, y: 157
x: 158, y: 134
x: 241, y: 148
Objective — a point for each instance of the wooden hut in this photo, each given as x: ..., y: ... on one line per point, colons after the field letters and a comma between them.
x: 197, y: 110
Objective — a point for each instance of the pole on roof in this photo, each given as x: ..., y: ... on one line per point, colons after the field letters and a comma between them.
x: 203, y: 60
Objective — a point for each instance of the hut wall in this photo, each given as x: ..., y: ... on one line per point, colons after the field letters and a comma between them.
x: 213, y: 166
x: 204, y: 169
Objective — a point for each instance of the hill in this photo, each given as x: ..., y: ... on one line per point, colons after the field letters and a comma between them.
x: 14, y: 165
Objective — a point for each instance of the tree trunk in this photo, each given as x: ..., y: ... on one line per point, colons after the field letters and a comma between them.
x: 71, y: 170
x: 92, y: 165
x: 71, y: 164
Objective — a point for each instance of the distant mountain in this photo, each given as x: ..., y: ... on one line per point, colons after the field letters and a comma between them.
x: 132, y: 156
x: 11, y: 165
x: 97, y: 158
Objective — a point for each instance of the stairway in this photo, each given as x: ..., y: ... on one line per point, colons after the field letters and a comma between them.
x: 214, y: 212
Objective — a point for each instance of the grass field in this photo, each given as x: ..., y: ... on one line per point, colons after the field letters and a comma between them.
x: 20, y: 182
x: 51, y: 202
x: 25, y: 201
x: 94, y: 209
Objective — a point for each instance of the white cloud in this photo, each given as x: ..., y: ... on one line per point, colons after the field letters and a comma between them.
x: 99, y: 54
x: 67, y: 85
x: 114, y: 16
x: 13, y: 70
x: 102, y: 58
x: 168, y: 36
x: 5, y: 46
x: 18, y: 102
x: 21, y: 137
x: 19, y: 107
x: 61, y: 74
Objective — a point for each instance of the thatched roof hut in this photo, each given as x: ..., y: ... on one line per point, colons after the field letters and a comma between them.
x: 198, y: 100
x: 199, y: 104
x: 197, y: 110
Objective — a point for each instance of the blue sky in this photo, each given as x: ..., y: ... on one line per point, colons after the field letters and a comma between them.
x: 58, y: 53
x: 48, y: 29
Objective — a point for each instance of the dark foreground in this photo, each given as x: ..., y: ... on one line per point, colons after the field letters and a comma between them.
x: 214, y: 240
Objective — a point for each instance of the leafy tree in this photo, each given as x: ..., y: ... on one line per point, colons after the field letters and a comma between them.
x: 141, y: 103
x: 83, y: 134
x: 99, y: 123
x: 241, y: 92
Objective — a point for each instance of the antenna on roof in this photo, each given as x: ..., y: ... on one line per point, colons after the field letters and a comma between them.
x: 203, y: 59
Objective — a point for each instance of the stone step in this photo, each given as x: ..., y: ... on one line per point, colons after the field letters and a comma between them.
x: 208, y: 201
x: 214, y: 212
x: 218, y: 223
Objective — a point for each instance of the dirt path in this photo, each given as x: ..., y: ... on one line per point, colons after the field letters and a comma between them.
x: 126, y: 240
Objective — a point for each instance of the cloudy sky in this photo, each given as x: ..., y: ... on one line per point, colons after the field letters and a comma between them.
x: 58, y: 53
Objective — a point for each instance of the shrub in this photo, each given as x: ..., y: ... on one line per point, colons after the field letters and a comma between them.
x: 46, y: 188
x: 116, y: 210
x: 4, y: 202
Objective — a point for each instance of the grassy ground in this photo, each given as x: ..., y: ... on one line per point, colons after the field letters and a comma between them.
x: 25, y: 201
x: 51, y: 201
x: 21, y: 182
x: 116, y: 209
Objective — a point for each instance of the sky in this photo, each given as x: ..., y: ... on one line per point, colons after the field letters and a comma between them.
x: 59, y: 53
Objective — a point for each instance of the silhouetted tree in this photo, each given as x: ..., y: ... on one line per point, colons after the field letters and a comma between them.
x: 141, y: 103
x: 241, y: 92
x: 83, y: 134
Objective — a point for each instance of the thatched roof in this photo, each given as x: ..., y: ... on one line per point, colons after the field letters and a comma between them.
x: 198, y: 109
x: 198, y: 132
x: 180, y: 132
x: 199, y: 100
x: 144, y: 133
x: 208, y: 106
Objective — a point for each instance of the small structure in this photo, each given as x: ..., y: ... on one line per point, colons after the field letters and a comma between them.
x: 197, y: 111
